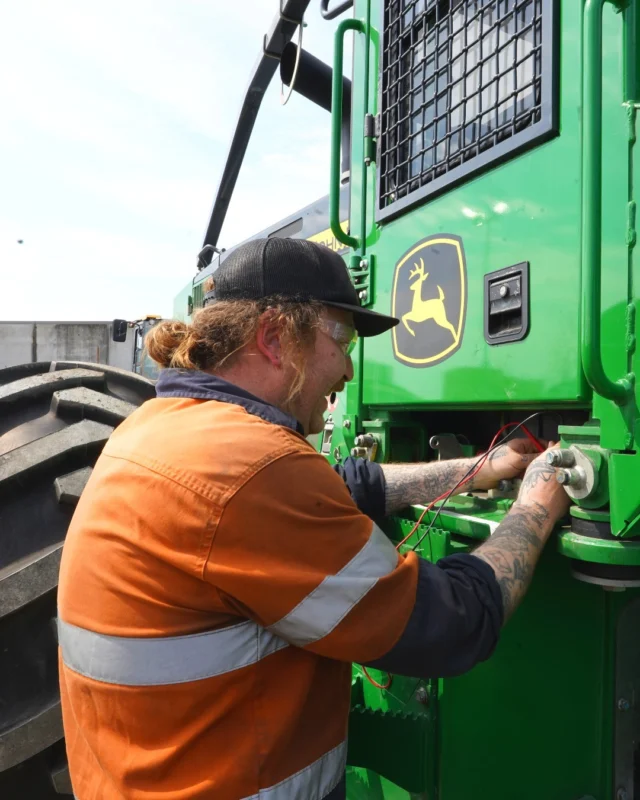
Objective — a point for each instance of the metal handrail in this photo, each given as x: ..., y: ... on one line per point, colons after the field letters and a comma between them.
x: 330, y: 14
x: 336, y: 131
x: 621, y: 390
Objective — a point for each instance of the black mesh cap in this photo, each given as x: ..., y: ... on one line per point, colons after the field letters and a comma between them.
x: 298, y: 270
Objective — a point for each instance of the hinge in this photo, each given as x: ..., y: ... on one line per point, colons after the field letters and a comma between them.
x: 361, y: 270
x: 632, y: 109
x: 371, y: 125
x: 631, y: 225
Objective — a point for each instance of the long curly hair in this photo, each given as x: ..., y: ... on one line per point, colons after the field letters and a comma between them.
x: 219, y: 331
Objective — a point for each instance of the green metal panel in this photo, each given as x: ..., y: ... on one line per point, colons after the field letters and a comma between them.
x: 527, y: 209
x: 537, y: 719
x: 182, y: 303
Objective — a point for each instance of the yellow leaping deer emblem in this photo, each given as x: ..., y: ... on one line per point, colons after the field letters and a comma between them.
x: 422, y: 310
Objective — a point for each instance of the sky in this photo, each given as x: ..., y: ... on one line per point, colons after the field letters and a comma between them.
x: 115, y: 121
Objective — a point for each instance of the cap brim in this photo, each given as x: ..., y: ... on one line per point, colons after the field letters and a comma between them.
x: 367, y: 323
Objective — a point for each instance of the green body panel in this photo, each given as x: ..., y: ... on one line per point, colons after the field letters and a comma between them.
x: 538, y: 198
x: 538, y: 719
x: 535, y: 720
x: 182, y: 304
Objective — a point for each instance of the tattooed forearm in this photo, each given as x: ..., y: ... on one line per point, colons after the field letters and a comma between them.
x: 514, y: 548
x: 421, y: 483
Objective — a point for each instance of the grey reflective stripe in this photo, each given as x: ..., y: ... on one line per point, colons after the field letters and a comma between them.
x: 130, y: 661
x: 311, y: 783
x: 329, y: 603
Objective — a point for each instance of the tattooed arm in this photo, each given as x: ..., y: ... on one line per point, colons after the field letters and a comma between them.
x: 421, y: 483
x: 515, y: 546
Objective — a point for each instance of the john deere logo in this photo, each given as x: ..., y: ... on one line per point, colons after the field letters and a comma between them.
x: 430, y: 299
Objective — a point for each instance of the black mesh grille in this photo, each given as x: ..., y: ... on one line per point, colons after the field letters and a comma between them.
x: 198, y: 296
x: 458, y: 78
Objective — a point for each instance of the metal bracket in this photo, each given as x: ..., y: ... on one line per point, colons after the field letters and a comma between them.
x: 290, y: 19
x: 266, y: 52
x: 361, y: 269
x: 332, y: 13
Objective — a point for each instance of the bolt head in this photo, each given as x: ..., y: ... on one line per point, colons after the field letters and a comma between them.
x: 363, y: 296
x: 564, y: 477
x: 422, y: 696
x: 623, y: 704
x: 346, y: 423
x: 553, y: 458
x: 504, y: 291
x: 622, y: 794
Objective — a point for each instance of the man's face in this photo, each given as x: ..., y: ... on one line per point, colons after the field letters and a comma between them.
x: 328, y: 368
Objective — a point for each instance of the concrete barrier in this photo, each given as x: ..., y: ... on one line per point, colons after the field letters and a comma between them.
x: 23, y: 342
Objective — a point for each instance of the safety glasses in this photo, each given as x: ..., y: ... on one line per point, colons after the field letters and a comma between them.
x: 343, y: 335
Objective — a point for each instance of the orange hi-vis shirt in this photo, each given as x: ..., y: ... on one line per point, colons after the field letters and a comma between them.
x: 216, y: 583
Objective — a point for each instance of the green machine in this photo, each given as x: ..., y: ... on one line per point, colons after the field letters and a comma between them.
x: 490, y: 151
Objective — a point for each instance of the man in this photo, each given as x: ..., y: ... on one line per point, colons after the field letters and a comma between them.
x: 218, y: 578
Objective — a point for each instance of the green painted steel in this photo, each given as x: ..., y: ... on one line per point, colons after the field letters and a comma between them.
x: 539, y: 719
x: 620, y: 390
x: 183, y: 303
x: 336, y: 130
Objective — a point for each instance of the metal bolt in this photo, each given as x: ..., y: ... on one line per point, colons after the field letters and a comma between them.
x: 422, y: 696
x: 363, y: 295
x: 364, y: 440
x: 346, y: 424
x: 364, y: 264
x: 367, y: 161
x: 571, y: 477
x: 623, y: 704
x: 561, y: 458
x: 622, y: 794
x: 337, y: 455
x: 505, y: 486
x: 504, y: 291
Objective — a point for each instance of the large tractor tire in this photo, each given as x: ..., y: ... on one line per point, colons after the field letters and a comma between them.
x: 55, y: 418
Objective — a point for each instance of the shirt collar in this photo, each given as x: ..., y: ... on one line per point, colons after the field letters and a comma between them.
x: 203, y: 386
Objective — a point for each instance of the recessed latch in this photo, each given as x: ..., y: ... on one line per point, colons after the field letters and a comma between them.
x: 327, y: 434
x: 506, y: 304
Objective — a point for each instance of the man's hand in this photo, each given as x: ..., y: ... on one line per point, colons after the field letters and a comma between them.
x: 515, y: 546
x: 540, y: 488
x: 508, y: 460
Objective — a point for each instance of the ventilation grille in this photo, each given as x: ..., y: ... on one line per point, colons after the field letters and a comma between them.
x: 458, y: 80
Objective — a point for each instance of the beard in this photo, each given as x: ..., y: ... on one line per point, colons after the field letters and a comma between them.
x: 316, y: 421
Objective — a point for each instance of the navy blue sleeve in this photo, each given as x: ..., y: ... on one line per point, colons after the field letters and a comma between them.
x: 365, y: 480
x: 455, y: 622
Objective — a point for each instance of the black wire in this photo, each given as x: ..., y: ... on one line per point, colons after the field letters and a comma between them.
x: 508, y: 435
